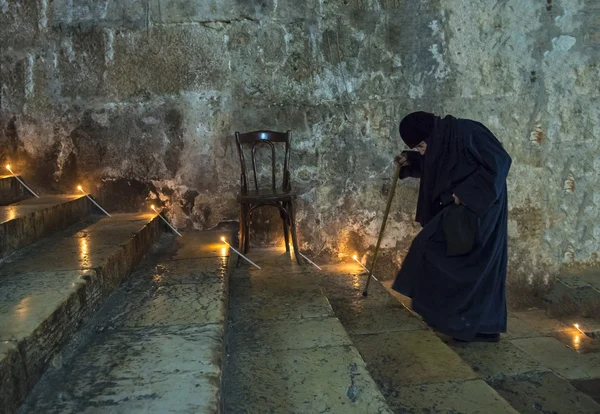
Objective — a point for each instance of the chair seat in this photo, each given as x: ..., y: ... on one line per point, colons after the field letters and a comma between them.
x: 266, y: 195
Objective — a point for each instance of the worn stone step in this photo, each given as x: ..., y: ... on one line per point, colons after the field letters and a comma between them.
x: 157, y: 345
x: 287, y: 352
x: 415, y: 371
x: 11, y: 191
x: 50, y: 288
x: 575, y: 295
x: 28, y: 221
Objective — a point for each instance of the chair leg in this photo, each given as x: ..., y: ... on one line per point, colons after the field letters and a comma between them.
x: 292, y: 216
x: 242, y: 235
x: 247, y: 223
x: 285, y: 218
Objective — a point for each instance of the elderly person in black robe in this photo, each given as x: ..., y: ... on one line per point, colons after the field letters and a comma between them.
x: 455, y: 269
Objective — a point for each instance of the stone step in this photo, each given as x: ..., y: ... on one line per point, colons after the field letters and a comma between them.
x: 48, y: 289
x: 28, y: 221
x: 11, y: 190
x: 157, y: 345
x: 287, y: 350
x: 575, y: 295
x: 540, y: 365
x: 414, y: 369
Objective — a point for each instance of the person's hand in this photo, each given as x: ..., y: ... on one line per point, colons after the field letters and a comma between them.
x: 401, y: 160
x: 456, y: 199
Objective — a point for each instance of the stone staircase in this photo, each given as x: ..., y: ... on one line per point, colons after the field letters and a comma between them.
x: 58, y: 263
x: 157, y: 345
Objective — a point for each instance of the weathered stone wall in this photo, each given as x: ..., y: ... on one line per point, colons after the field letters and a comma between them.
x: 140, y: 99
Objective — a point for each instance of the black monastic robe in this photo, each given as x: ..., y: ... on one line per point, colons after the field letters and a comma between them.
x: 459, y: 295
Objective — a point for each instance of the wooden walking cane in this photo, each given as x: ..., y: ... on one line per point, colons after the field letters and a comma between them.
x: 385, y: 217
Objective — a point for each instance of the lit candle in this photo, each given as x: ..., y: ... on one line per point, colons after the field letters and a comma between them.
x: 361, y: 265
x: 310, y: 261
x: 577, y: 327
x: 93, y: 201
x: 356, y: 260
x: 21, y: 181
x: 241, y: 255
x: 165, y: 220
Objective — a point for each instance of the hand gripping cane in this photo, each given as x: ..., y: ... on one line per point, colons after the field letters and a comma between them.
x: 385, y: 217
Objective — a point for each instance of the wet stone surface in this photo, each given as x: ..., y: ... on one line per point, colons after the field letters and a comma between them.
x: 561, y: 359
x: 49, y: 289
x: 142, y: 370
x: 281, y: 335
x: 545, y: 393
x: 28, y: 221
x: 156, y: 346
x: 311, y: 380
x: 398, y: 359
x: 287, y: 353
x: 365, y: 316
x: 472, y: 397
x: 590, y: 387
x: 497, y: 360
x: 267, y: 300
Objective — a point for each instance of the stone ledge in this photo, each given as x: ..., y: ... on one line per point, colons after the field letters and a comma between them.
x: 575, y: 295
x: 43, y: 303
x: 28, y: 221
x: 11, y: 191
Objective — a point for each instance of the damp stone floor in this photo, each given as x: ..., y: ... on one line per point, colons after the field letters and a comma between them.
x: 302, y: 340
x: 156, y: 345
x: 189, y: 333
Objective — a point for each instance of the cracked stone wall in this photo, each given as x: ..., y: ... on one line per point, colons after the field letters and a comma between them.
x: 138, y: 101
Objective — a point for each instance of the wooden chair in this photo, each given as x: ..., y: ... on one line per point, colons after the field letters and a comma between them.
x: 281, y: 198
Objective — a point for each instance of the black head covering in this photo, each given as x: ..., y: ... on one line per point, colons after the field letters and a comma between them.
x: 416, y: 127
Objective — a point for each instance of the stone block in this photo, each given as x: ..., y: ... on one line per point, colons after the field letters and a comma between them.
x: 82, y: 62
x: 306, y: 380
x: 544, y: 393
x: 65, y: 14
x: 573, y: 295
x: 226, y: 11
x: 456, y: 397
x: 561, y: 359
x: 365, y: 316
x: 11, y: 191
x: 15, y: 74
x: 20, y: 23
x: 416, y: 357
x: 273, y: 336
x: 30, y: 220
x: 497, y: 360
x: 149, y: 370
x: 167, y: 60
x: 276, y: 302
x: 185, y: 304
x: 589, y: 387
x: 196, y: 245
x: 12, y: 376
x: 49, y: 293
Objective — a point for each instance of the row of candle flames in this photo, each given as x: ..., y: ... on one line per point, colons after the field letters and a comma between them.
x: 80, y: 188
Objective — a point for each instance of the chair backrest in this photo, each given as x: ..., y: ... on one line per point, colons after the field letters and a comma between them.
x: 255, y: 140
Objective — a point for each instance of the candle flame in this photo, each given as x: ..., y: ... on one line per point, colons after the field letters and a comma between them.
x: 152, y: 207
x: 8, y: 167
x: 223, y: 239
x: 354, y: 257
x: 577, y: 325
